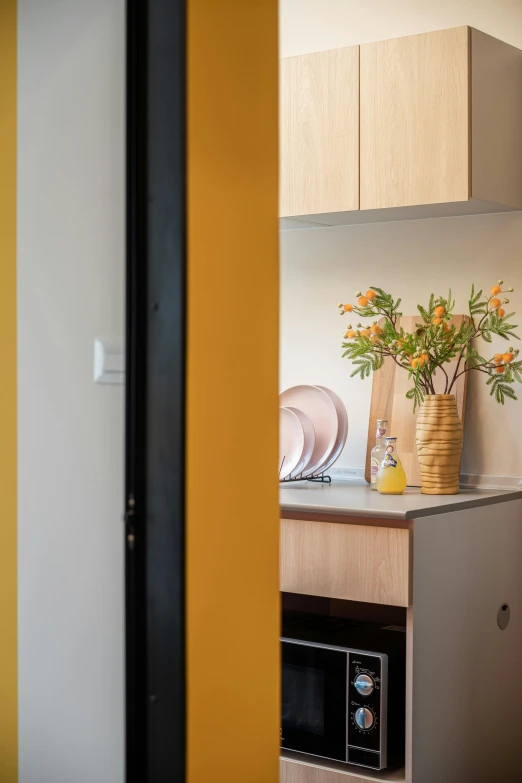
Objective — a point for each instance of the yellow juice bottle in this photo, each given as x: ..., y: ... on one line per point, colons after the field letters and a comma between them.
x: 391, y: 478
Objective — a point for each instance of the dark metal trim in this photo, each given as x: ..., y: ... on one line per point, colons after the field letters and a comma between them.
x: 155, y: 392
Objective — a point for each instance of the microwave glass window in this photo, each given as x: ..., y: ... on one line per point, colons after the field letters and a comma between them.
x: 314, y: 705
x: 303, y: 698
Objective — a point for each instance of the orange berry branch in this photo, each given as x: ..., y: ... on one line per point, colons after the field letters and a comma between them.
x: 435, y: 341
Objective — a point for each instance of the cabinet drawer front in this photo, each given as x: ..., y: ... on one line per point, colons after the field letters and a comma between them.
x: 352, y: 562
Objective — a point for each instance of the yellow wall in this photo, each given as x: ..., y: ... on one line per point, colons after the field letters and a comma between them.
x: 232, y: 491
x: 8, y: 669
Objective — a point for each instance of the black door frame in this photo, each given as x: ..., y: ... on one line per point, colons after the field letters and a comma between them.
x: 155, y: 392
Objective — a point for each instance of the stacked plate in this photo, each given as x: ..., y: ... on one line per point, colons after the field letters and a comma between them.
x: 313, y: 427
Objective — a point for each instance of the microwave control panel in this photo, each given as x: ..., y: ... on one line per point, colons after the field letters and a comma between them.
x: 367, y: 698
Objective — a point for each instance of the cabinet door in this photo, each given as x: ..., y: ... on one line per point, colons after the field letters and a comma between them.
x: 415, y: 120
x: 319, y: 132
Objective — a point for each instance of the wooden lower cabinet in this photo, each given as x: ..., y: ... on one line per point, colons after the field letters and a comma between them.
x: 353, y: 562
x: 463, y: 672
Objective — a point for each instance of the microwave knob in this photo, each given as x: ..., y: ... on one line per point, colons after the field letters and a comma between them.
x: 364, y: 684
x: 364, y: 718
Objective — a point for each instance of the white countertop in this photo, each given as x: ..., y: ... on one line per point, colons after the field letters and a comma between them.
x: 358, y: 500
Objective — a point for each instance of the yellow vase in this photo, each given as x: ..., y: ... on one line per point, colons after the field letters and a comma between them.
x: 391, y: 478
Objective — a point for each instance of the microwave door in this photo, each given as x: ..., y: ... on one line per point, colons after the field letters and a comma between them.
x: 314, y: 709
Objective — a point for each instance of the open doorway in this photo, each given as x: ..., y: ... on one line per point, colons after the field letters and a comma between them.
x: 400, y: 178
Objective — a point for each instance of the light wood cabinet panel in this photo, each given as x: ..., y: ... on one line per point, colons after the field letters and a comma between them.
x: 315, y: 773
x: 415, y: 120
x: 352, y: 562
x: 319, y: 132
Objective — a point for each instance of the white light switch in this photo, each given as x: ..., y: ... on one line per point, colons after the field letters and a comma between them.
x: 109, y: 361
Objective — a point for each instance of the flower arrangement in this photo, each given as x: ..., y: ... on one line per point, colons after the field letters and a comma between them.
x: 435, y: 341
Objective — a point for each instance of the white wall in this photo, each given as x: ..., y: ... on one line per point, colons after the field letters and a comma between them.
x: 321, y: 267
x: 70, y: 289
x: 317, y: 25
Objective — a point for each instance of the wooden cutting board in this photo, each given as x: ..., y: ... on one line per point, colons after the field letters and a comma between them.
x: 389, y: 401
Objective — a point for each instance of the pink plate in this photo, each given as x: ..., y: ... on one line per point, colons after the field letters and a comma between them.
x: 319, y: 408
x: 342, y: 429
x: 309, y: 441
x: 291, y: 442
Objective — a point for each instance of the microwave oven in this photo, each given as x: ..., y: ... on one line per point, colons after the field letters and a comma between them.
x: 343, y: 690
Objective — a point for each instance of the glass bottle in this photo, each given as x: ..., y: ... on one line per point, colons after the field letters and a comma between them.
x: 378, y: 451
x: 391, y: 478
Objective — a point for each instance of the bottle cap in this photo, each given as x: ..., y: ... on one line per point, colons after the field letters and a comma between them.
x: 382, y: 426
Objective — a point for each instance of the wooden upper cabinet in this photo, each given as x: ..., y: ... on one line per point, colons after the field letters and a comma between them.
x: 440, y: 115
x: 319, y: 132
x: 439, y: 121
x: 415, y: 120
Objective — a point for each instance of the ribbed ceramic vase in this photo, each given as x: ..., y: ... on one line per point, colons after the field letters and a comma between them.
x: 439, y: 445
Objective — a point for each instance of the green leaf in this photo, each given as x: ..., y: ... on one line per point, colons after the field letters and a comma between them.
x: 379, y: 291
x: 500, y: 388
x: 473, y: 358
x: 508, y: 391
x: 363, y: 367
x: 424, y: 314
x: 476, y: 306
x: 416, y: 394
